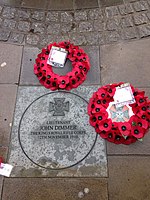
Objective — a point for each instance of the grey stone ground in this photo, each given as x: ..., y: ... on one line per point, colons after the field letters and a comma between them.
x: 115, y: 34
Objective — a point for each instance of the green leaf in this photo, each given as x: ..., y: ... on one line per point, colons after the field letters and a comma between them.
x: 125, y: 136
x: 140, y: 139
x: 133, y: 123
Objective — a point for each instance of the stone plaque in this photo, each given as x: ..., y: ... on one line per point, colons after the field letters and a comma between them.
x: 56, y: 127
x: 51, y: 135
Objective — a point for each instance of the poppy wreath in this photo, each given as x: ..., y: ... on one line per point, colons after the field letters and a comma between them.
x: 50, y: 80
x: 126, y: 132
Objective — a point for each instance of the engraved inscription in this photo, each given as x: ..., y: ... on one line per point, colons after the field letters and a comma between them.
x: 59, y: 107
x: 58, y: 130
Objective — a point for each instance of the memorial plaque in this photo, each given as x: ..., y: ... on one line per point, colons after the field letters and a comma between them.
x: 56, y: 127
x: 51, y: 135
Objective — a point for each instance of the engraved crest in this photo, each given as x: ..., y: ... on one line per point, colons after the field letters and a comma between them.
x: 59, y: 107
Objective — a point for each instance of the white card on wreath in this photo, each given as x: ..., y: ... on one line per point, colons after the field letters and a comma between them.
x: 5, y: 169
x: 57, y: 57
x: 123, y: 95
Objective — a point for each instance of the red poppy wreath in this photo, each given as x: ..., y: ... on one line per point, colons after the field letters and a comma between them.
x: 123, y: 125
x: 50, y: 80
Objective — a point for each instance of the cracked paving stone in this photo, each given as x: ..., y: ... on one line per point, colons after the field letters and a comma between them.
x: 38, y: 15
x: 52, y: 17
x: 38, y: 27
x: 16, y: 37
x: 144, y: 30
x: 24, y: 26
x: 9, y: 12
x: 24, y: 14
x: 4, y: 35
x: 32, y: 39
x: 53, y: 29
x: 140, y: 5
x: 111, y: 11
x: 85, y: 26
x: 9, y: 23
x: 128, y: 33
x: 127, y: 21
x: 66, y: 17
x: 140, y: 18
x: 80, y: 15
x: 126, y: 9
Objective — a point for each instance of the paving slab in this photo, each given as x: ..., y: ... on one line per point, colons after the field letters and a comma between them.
x: 106, y: 3
x: 11, y: 3
x: 129, y: 177
x: 79, y: 160
x: 54, y: 189
x: 7, y: 101
x: 34, y: 4
x: 128, y: 62
x: 60, y: 5
x: 1, y: 184
x: 85, y: 4
x: 10, y: 56
x: 138, y: 148
x: 30, y: 53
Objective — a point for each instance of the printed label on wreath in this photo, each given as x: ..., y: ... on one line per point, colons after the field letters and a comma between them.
x: 57, y: 57
x: 123, y: 95
x: 119, y: 114
x: 5, y: 169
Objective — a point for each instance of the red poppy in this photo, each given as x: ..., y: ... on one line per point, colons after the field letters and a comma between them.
x: 124, y: 128
x: 63, y: 81
x: 136, y: 121
x: 102, y: 94
x: 1, y: 160
x: 98, y: 108
x: 105, y: 125
x: 129, y: 140
x: 137, y: 131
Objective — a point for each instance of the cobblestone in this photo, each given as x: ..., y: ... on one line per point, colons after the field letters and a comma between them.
x: 53, y: 28
x: 140, y: 5
x: 112, y: 24
x: 95, y: 14
x: 9, y: 12
x: 38, y: 15
x: 9, y: 23
x: 24, y: 26
x: 140, y: 18
x: 24, y: 14
x: 32, y: 39
x: 66, y: 17
x: 112, y: 11
x: 1, y: 9
x: 144, y: 30
x: 95, y: 25
x: 126, y: 9
x: 92, y: 38
x: 52, y: 17
x: 85, y: 26
x: 78, y: 39
x: 112, y: 36
x: 98, y: 26
x: 80, y: 15
x: 128, y: 33
x: 4, y: 35
x: 38, y: 27
x: 16, y: 37
x: 68, y: 27
x: 127, y: 21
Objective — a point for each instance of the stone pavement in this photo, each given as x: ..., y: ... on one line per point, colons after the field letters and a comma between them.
x: 115, y: 34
